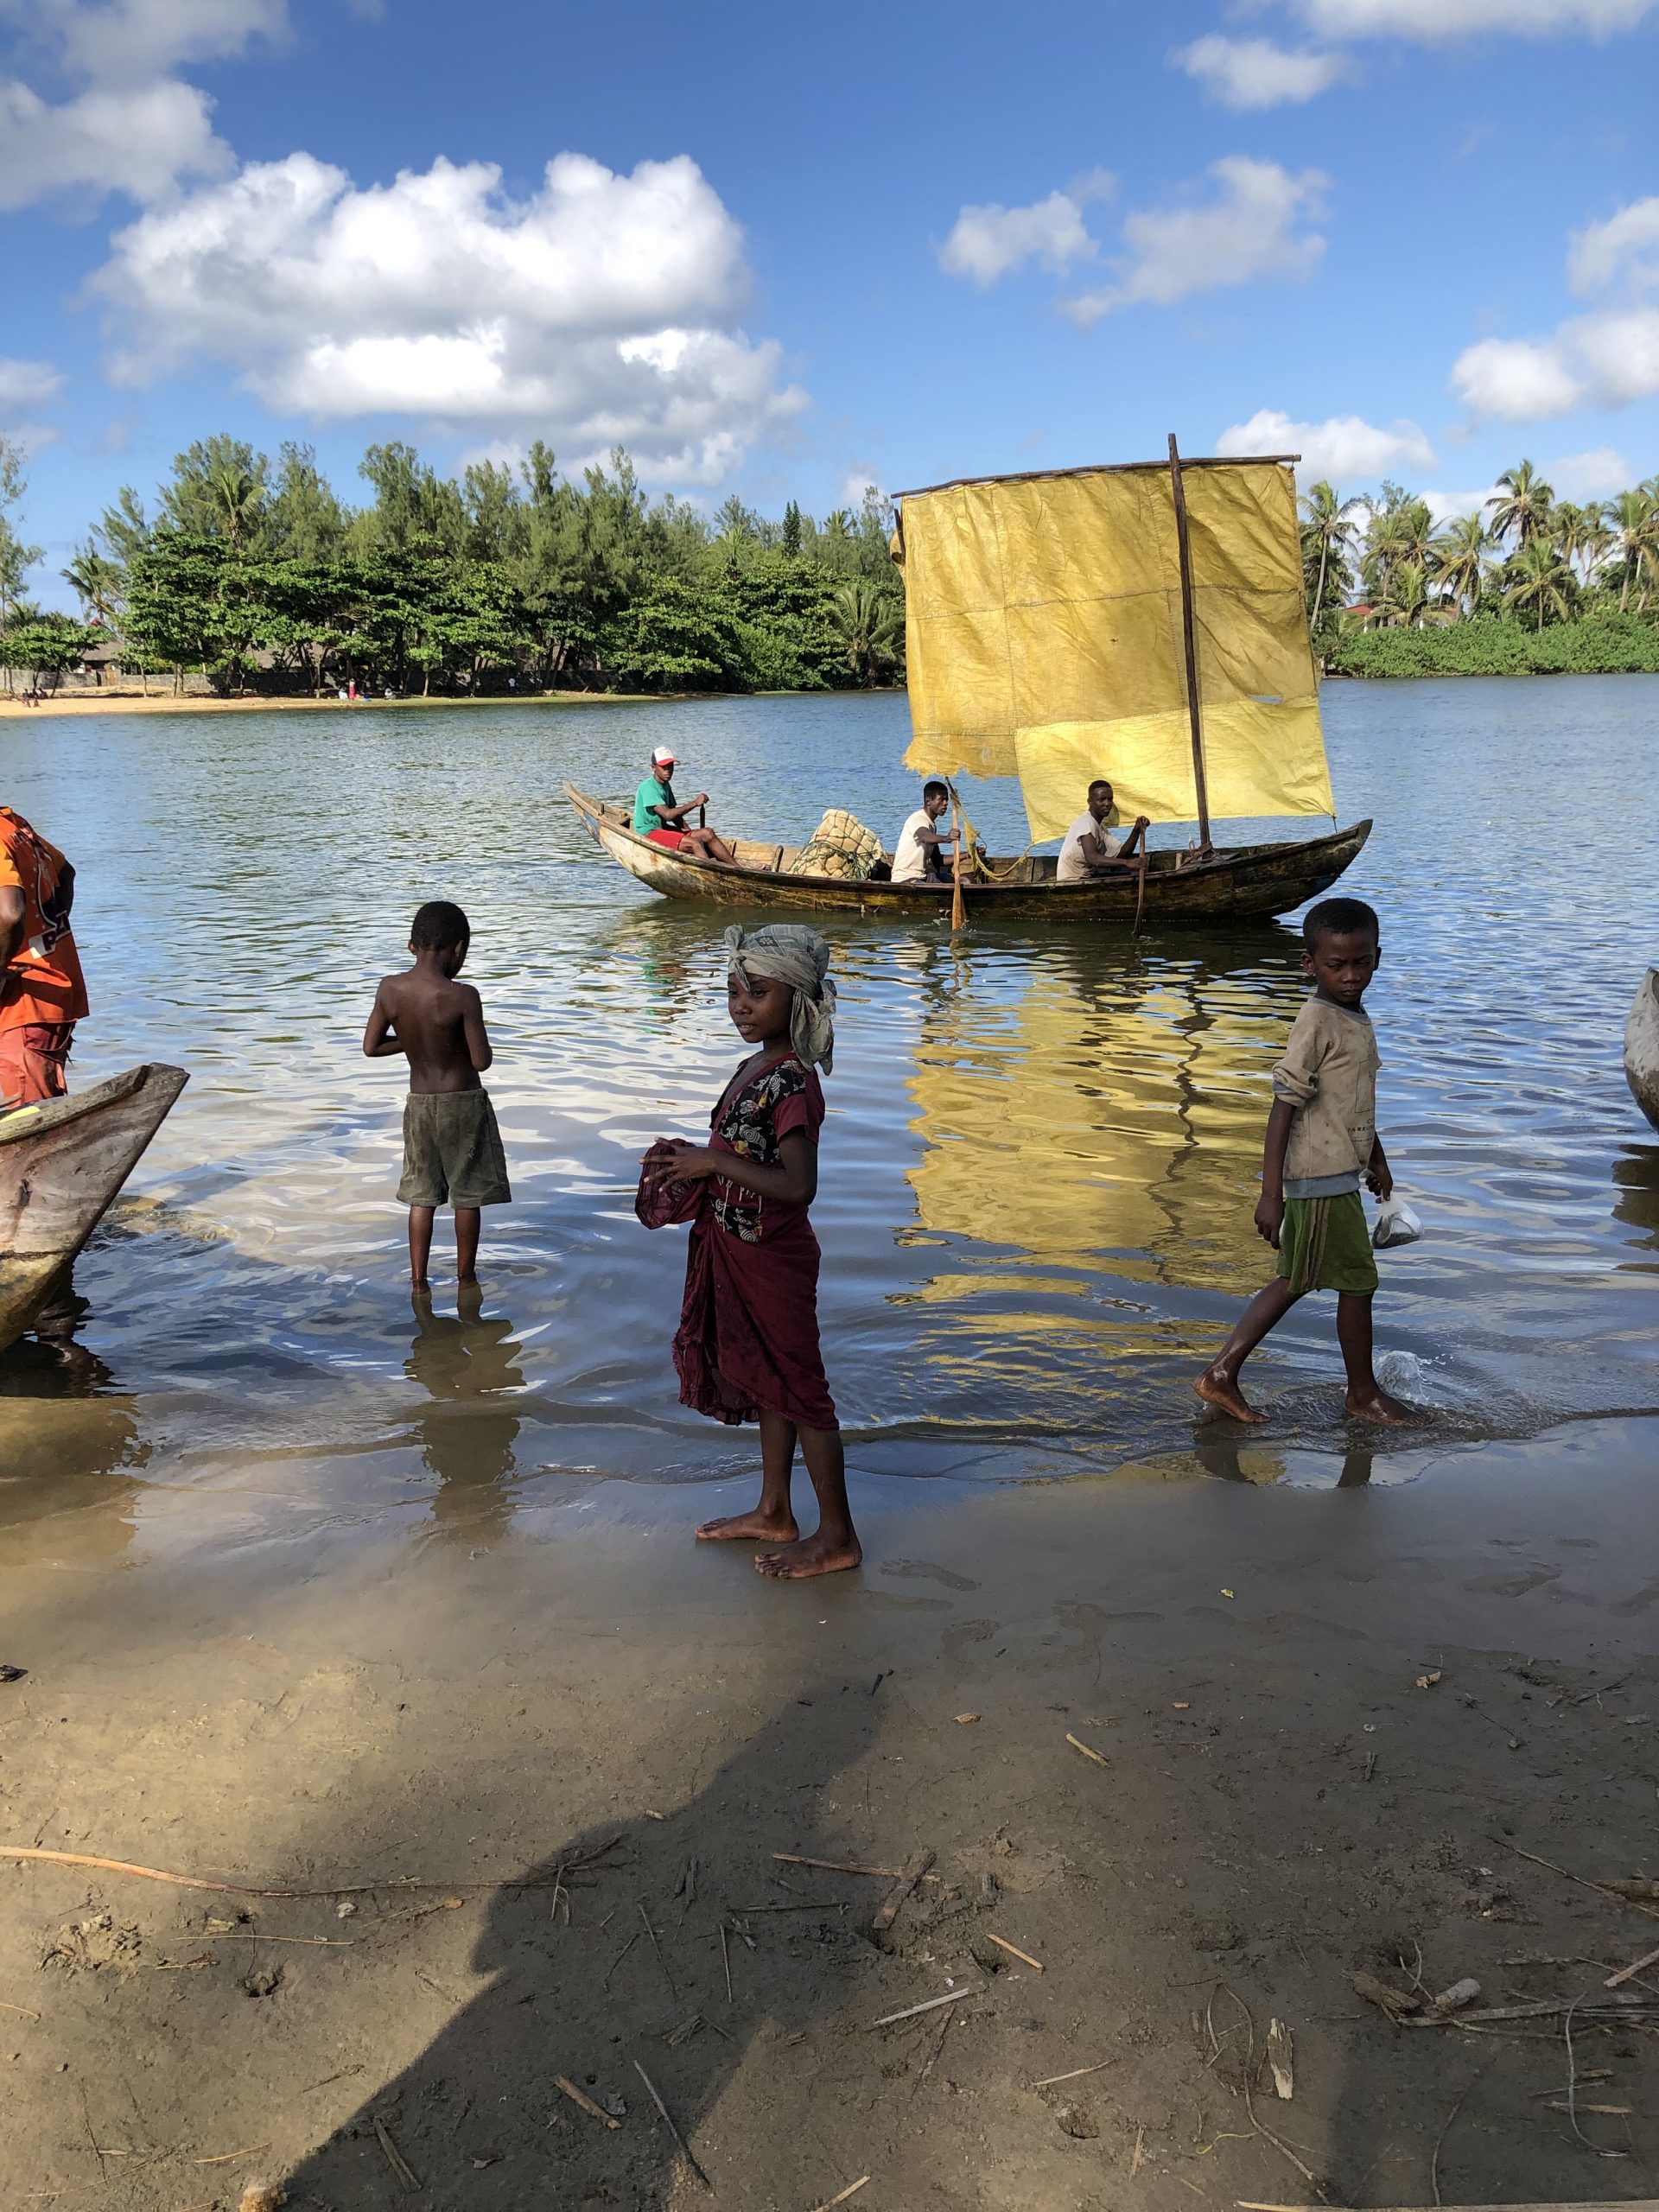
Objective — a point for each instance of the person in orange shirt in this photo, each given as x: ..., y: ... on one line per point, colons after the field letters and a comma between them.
x: 42, y: 994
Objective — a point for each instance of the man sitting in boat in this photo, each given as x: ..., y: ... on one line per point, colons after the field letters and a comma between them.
x: 659, y: 816
x: 918, y: 856
x: 43, y: 995
x: 1089, y: 849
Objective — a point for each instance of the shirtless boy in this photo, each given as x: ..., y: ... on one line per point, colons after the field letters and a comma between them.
x: 1321, y: 1141
x: 452, y: 1147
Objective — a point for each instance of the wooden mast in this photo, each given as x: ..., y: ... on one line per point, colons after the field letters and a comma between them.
x: 1200, y: 787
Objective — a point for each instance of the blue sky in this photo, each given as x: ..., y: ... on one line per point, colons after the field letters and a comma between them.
x: 789, y: 252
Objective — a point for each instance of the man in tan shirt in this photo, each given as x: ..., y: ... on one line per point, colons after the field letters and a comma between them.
x: 1321, y: 1144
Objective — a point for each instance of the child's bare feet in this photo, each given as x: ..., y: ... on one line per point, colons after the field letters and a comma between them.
x: 419, y: 1287
x: 1378, y: 1406
x: 756, y: 1527
x: 1220, y: 1390
x: 815, y: 1554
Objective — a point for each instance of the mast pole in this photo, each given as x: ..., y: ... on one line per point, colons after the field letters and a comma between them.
x: 1189, y: 635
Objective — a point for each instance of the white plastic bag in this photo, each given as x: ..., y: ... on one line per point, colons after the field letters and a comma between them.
x: 1396, y: 1224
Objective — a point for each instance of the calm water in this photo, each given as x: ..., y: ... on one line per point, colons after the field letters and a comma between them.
x: 1039, y: 1169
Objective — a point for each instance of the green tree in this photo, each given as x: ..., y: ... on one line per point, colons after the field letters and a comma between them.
x: 1460, y: 562
x: 17, y: 557
x: 218, y: 490
x: 869, y: 622
x: 1521, y: 504
x: 1327, y: 539
x: 48, y: 647
x: 1535, y: 576
x: 304, y: 520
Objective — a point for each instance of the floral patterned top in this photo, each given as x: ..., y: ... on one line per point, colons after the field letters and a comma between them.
x: 752, y: 1121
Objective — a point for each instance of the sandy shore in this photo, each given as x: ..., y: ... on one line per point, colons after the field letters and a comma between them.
x: 157, y: 702
x: 1280, y: 1803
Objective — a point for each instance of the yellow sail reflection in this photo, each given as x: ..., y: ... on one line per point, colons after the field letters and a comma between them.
x: 1105, y: 1123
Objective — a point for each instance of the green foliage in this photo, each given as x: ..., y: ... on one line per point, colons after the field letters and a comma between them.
x: 48, y: 647
x: 262, y: 579
x: 1602, y: 644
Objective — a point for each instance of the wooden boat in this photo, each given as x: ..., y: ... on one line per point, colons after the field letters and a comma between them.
x: 60, y: 1164
x: 1239, y: 883
x: 1142, y: 623
x: 1642, y: 1046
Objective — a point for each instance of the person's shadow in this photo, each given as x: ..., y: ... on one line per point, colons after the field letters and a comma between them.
x: 606, y: 1956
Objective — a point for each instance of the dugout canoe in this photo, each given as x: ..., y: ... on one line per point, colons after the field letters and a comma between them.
x: 61, y: 1165
x: 1240, y: 883
x: 1642, y: 1046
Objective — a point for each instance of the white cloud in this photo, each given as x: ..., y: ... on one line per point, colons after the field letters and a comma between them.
x: 1249, y: 229
x: 1253, y: 72
x: 601, y: 310
x: 131, y: 42
x: 1603, y: 360
x: 1625, y: 248
x: 986, y: 243
x: 1343, y: 447
x: 1448, y: 506
x: 137, y: 141
x: 1593, y: 475
x: 1434, y: 23
x: 27, y: 384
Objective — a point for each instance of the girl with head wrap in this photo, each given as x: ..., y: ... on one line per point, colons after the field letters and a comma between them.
x: 747, y: 1344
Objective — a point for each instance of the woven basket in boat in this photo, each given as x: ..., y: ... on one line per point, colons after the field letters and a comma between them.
x: 840, y: 846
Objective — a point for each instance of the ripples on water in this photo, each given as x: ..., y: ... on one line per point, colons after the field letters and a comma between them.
x: 1040, y: 1162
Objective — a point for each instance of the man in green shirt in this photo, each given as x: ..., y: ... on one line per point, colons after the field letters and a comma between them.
x: 659, y: 816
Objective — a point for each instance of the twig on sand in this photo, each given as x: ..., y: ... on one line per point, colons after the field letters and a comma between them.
x: 226, y: 2158
x: 842, y: 2195
x: 23, y: 2009
x: 320, y: 1942
x: 887, y: 1911
x: 1266, y: 2133
x: 1139, y: 2150
x: 1014, y: 1952
x: 1572, y: 2093
x: 580, y: 2098
x: 1086, y: 1751
x: 1076, y: 2073
x: 32, y: 1852
x: 1446, y: 2129
x: 834, y: 1865
x: 1625, y: 1973
x: 617, y: 1960
x: 927, y: 2005
x: 395, y: 2158
x: 1634, y: 1904
x: 726, y: 1961
x: 667, y: 2122
x: 657, y: 1947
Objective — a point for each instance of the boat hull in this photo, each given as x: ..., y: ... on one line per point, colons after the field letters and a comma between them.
x: 61, y: 1165
x: 1249, y: 882
x: 1642, y: 1046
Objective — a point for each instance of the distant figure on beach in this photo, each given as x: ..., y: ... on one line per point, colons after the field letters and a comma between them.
x: 747, y: 1344
x: 1090, y: 847
x: 660, y: 816
x: 452, y: 1147
x: 919, y: 854
x: 42, y: 992
x: 1321, y: 1141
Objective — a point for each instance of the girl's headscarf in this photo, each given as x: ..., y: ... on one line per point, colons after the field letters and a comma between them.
x: 786, y: 953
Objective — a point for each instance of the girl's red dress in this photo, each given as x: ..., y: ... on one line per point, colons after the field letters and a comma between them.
x: 747, y: 1342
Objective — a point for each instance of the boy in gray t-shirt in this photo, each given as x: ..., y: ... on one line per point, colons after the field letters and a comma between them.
x: 1321, y: 1143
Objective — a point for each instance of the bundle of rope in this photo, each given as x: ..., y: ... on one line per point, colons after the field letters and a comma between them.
x: 841, y: 847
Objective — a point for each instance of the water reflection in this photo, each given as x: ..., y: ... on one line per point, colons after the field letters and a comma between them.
x: 68, y: 1456
x: 1636, y: 1181
x: 464, y: 1361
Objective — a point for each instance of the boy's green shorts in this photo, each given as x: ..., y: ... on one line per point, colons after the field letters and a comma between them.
x: 452, y: 1151
x: 1323, y: 1244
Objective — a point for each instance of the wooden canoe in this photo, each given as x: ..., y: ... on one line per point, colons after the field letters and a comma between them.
x: 1241, y: 882
x: 1642, y: 1046
x: 60, y: 1164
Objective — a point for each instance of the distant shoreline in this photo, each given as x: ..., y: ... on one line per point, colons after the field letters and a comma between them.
x: 136, y: 702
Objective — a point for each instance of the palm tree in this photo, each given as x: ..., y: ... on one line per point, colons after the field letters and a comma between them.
x: 238, y: 499
x: 1326, y: 527
x: 96, y: 581
x: 1405, y: 595
x: 867, y: 619
x: 1459, y: 562
x: 1537, y: 576
x: 1525, y: 512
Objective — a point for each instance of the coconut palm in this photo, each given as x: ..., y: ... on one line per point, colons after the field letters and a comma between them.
x: 96, y: 581
x: 238, y: 499
x: 867, y: 621
x: 1521, y: 504
x: 1459, y: 562
x: 1536, y: 577
x: 1404, y: 600
x: 1327, y: 533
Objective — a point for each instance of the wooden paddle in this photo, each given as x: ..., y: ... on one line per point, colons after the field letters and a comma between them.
x: 958, y: 904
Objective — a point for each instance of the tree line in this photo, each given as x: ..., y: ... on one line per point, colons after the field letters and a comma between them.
x: 1391, y: 592
x: 259, y: 575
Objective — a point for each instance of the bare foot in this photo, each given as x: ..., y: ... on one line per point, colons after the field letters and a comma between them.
x: 419, y: 1287
x: 469, y: 1277
x: 1395, y: 1412
x: 1222, y: 1392
x: 756, y: 1527
x: 816, y: 1555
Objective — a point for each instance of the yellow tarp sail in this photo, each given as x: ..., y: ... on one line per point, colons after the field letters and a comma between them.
x: 1045, y: 641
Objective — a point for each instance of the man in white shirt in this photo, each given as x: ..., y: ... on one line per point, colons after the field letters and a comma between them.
x: 918, y: 856
x: 1090, y: 849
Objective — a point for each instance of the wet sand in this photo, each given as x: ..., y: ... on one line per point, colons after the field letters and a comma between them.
x: 469, y: 1709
